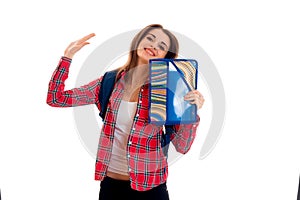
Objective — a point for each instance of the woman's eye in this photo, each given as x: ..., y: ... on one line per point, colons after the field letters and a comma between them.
x: 149, y: 38
x: 161, y: 48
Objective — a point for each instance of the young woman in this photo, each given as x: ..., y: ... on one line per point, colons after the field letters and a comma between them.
x: 130, y: 162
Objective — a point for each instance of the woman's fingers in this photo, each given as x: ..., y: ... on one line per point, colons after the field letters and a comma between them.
x: 87, y: 37
x: 199, y: 104
x: 193, y: 94
x: 195, y: 97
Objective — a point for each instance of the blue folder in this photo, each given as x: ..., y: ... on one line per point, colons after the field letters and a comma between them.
x: 170, y: 81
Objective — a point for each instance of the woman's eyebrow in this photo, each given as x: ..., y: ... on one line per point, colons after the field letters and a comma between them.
x: 152, y: 35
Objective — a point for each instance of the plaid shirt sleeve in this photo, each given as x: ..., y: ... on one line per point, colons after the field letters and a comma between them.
x: 58, y: 97
x: 183, y: 136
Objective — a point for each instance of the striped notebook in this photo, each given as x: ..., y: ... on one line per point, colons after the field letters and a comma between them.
x: 170, y: 81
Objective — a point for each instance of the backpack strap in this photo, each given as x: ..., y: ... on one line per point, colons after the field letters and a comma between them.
x: 106, y: 88
x: 166, y: 139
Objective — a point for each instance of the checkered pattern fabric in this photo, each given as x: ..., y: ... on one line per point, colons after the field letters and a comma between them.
x: 148, y: 166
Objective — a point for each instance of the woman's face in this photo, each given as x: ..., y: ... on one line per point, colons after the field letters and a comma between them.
x: 154, y: 45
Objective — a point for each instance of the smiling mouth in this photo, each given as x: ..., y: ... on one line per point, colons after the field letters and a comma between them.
x: 150, y: 51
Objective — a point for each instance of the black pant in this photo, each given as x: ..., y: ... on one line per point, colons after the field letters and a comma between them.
x: 112, y: 189
x: 298, y: 198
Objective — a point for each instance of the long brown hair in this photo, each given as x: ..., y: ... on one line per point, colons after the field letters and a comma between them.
x: 133, y: 57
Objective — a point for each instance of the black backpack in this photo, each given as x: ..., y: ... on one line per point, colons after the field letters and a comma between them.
x: 106, y: 88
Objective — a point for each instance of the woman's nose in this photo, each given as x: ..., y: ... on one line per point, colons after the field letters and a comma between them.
x: 153, y: 46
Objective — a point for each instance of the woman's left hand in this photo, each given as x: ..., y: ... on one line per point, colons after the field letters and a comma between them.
x: 195, y: 97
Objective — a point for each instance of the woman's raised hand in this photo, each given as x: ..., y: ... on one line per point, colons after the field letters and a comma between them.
x: 77, y: 45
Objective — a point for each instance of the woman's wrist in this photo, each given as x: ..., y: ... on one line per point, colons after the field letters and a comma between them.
x: 67, y: 58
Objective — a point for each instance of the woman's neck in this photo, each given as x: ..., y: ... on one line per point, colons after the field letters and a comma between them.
x: 137, y: 75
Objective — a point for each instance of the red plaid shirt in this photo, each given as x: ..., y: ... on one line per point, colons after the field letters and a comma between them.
x: 147, y: 164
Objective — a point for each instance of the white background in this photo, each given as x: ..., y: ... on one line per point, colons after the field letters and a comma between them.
x: 254, y: 45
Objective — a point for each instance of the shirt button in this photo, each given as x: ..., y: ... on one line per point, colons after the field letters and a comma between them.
x: 142, y: 90
x: 137, y: 115
x: 129, y: 169
x: 133, y: 128
x: 129, y: 142
x: 194, y: 125
x: 140, y: 101
x: 128, y: 156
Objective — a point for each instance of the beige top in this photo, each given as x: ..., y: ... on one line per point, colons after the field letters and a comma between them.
x: 118, y: 162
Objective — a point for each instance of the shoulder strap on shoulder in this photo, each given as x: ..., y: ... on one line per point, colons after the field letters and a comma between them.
x: 166, y: 139
x: 106, y: 88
